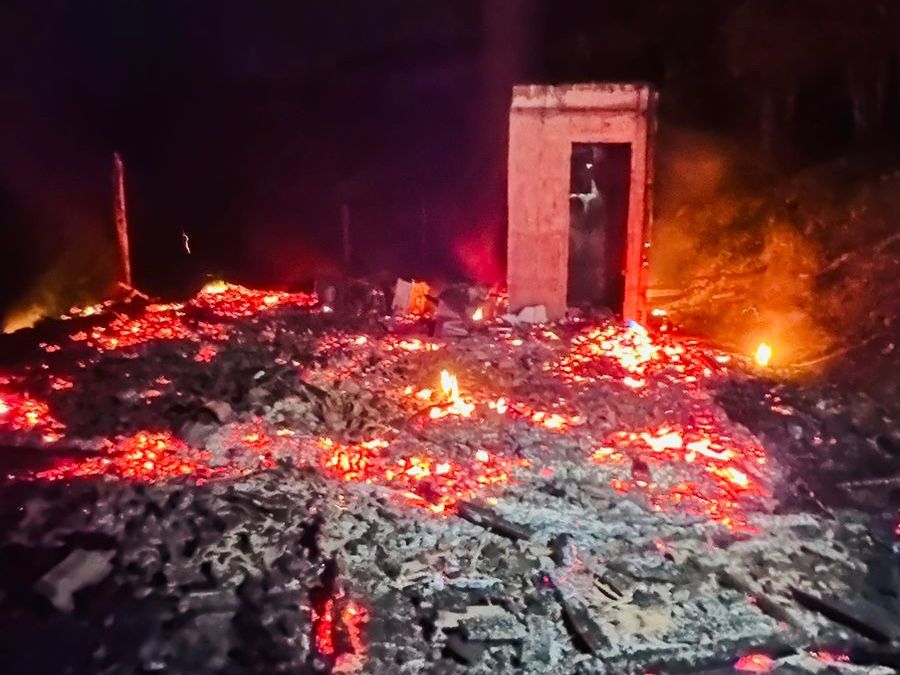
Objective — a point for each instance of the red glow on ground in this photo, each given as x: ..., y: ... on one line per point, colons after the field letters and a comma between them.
x: 22, y: 413
x: 206, y: 353
x: 168, y: 321
x: 393, y: 343
x: 156, y: 322
x: 721, y: 470
x: 699, y: 466
x: 61, y: 383
x: 631, y: 355
x: 234, y: 301
x: 339, y: 631
x: 323, y: 621
x: 147, y: 456
x: 424, y: 479
x: 755, y: 663
x: 355, y: 617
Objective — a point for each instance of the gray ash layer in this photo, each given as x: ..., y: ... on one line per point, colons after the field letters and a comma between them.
x: 555, y: 571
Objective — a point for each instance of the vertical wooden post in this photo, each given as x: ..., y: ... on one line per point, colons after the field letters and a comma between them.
x: 345, y: 233
x: 121, y: 221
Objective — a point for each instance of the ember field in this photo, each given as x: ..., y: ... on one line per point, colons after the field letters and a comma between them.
x: 252, y: 482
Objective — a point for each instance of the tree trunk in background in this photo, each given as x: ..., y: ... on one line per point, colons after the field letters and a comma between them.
x: 121, y: 218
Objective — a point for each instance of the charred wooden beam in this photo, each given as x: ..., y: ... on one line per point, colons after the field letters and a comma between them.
x: 866, y: 618
x: 484, y: 517
x: 586, y: 634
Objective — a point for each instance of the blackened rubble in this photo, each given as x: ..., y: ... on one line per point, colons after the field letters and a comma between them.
x: 270, y: 487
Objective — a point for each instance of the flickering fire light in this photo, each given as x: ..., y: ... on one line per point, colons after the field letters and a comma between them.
x: 763, y: 354
x: 456, y: 405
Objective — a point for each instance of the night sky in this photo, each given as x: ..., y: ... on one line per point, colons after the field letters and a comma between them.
x: 245, y: 125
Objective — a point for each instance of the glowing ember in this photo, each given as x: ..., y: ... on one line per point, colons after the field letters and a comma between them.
x: 627, y: 354
x: 21, y: 413
x: 763, y: 354
x: 217, y: 287
x: 755, y: 663
x: 552, y: 421
x: 147, y: 456
x: 344, y: 619
x: 437, y: 484
x: 392, y: 343
x: 157, y: 322
x: 61, y: 383
x: 234, y: 301
x: 88, y: 310
x: 206, y: 353
x: 719, y: 468
x: 354, y: 618
x: 478, y: 315
x: 830, y: 657
x: 323, y: 621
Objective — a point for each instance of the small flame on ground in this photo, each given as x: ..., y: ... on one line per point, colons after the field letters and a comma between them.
x: 457, y: 405
x: 763, y: 354
x: 478, y: 315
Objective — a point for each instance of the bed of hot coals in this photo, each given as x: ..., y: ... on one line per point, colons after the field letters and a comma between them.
x: 253, y: 482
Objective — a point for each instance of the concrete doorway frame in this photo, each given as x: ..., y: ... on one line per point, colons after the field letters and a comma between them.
x: 544, y: 123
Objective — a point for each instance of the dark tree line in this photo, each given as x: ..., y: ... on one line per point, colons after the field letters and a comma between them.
x: 737, y: 60
x: 776, y: 47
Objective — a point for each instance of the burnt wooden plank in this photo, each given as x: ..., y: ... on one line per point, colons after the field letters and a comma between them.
x: 484, y: 517
x: 865, y: 617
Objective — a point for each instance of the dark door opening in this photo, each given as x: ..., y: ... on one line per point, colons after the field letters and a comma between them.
x: 600, y: 184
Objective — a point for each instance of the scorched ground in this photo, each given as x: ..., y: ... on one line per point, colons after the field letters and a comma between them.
x: 252, y: 482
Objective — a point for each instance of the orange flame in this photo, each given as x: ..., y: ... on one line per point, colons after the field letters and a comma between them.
x: 763, y: 354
